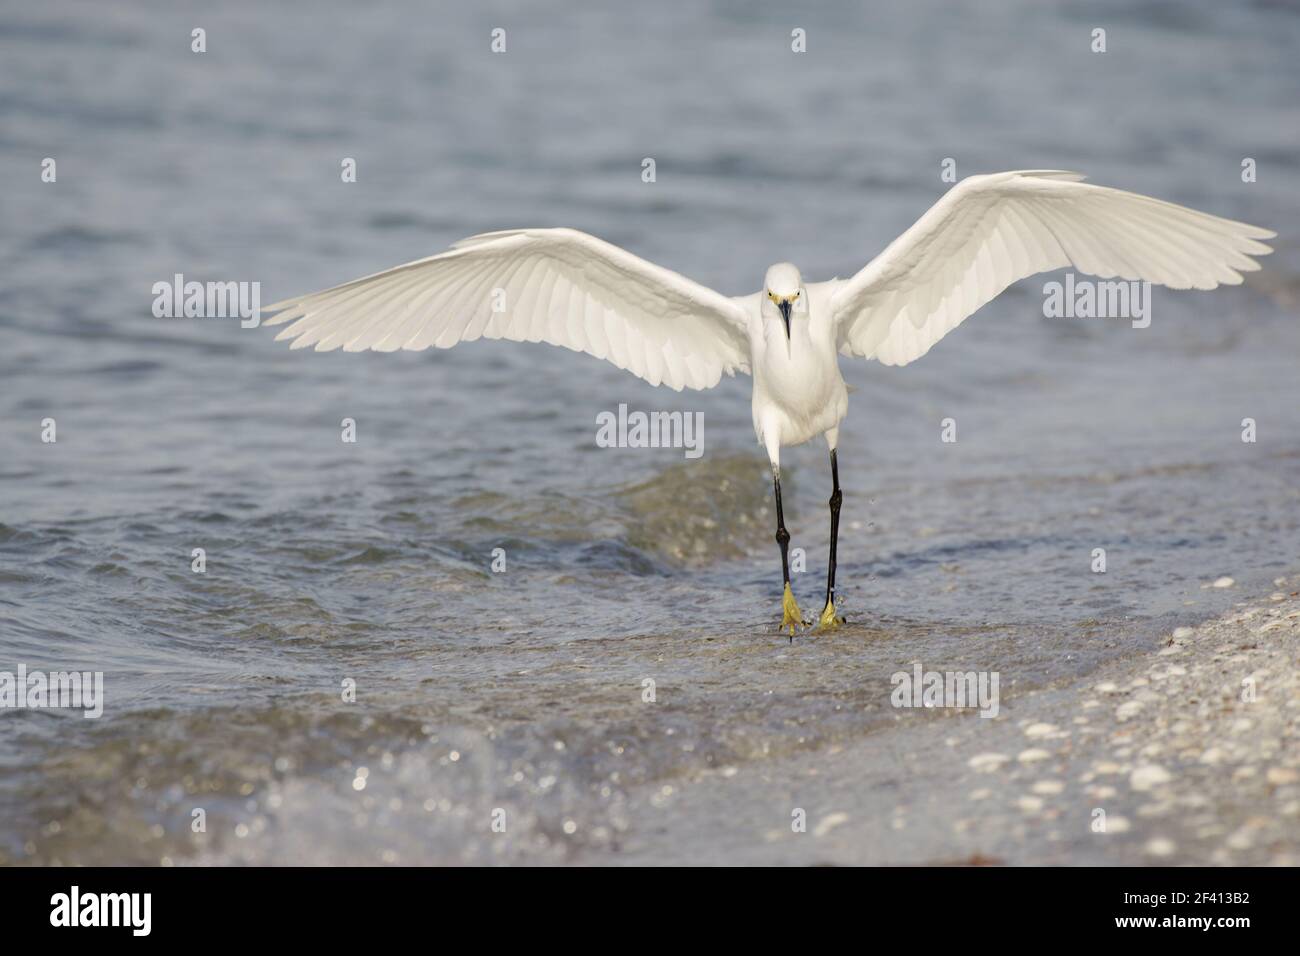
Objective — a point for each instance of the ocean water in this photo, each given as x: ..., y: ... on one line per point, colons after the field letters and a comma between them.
x: 525, y: 691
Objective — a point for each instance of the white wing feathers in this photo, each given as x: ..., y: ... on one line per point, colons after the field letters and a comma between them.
x: 989, y: 231
x: 534, y: 285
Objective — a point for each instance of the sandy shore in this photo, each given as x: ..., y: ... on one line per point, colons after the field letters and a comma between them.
x: 1186, y: 754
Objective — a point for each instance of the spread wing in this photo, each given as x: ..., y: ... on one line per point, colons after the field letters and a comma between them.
x: 534, y: 285
x: 989, y: 231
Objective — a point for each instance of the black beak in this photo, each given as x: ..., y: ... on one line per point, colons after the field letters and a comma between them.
x: 785, y: 306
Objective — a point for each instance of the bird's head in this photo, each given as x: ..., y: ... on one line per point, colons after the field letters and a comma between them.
x: 783, y: 292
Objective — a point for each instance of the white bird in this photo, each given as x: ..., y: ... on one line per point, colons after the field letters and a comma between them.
x: 571, y: 289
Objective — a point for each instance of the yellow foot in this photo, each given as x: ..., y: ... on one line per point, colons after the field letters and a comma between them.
x: 790, y: 613
x: 828, y: 620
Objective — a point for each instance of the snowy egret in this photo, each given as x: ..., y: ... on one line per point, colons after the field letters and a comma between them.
x: 571, y: 289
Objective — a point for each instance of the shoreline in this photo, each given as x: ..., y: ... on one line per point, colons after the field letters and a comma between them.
x: 1188, y: 753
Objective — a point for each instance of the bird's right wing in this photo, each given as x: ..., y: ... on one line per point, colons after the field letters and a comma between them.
x: 989, y: 231
x: 534, y: 285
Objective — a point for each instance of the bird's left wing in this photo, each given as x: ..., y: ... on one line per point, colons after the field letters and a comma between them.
x: 989, y: 231
x: 559, y: 286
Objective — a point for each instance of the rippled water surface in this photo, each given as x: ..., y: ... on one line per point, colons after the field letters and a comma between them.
x: 370, y: 562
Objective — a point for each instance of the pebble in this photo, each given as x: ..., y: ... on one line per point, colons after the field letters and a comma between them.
x: 1033, y: 754
x: 1242, y: 839
x: 1148, y: 776
x: 1224, y: 582
x: 1030, y: 804
x: 1182, y: 633
x: 1040, y: 730
x: 1048, y: 787
x: 1128, y: 709
x: 1160, y: 846
x: 1281, y: 776
x: 829, y: 823
x: 987, y: 763
x: 1117, y: 825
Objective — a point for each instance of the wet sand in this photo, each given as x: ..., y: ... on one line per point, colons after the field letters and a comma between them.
x: 1162, y: 744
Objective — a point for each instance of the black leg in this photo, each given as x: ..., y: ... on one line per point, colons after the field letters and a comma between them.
x: 782, y: 536
x: 836, y: 498
x: 790, y: 615
x: 829, y: 619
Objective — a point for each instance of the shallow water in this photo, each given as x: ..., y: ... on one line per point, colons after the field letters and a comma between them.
x: 370, y: 562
